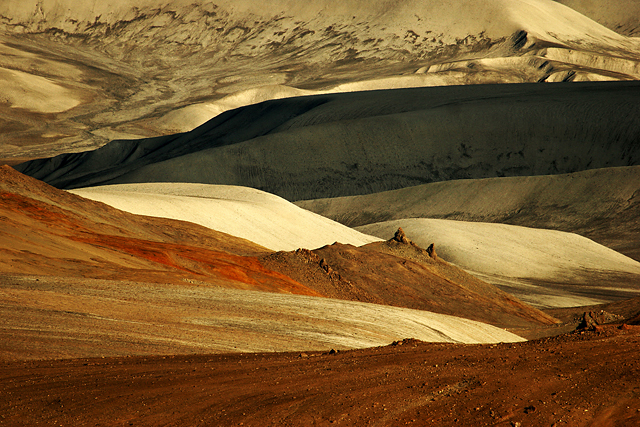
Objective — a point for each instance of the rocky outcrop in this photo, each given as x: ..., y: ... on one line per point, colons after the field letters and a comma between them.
x: 592, y: 319
x: 400, y: 237
x: 431, y: 250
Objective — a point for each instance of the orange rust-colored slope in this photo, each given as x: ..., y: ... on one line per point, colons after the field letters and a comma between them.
x: 46, y: 231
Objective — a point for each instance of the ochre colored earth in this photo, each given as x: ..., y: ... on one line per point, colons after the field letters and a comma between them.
x: 580, y: 379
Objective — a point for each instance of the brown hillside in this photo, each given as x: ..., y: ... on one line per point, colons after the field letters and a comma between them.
x: 586, y: 380
x: 402, y: 274
x: 50, y: 232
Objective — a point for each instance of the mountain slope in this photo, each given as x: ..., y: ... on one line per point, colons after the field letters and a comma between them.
x: 355, y: 143
x: 600, y: 204
x: 50, y: 232
x: 399, y: 273
x: 242, y: 212
x: 75, y: 75
x: 545, y: 268
x: 621, y: 16
x: 79, y: 278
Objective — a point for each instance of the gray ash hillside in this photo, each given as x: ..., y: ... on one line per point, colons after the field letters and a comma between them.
x: 365, y: 142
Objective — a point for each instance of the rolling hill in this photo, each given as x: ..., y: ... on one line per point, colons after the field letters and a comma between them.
x: 365, y: 142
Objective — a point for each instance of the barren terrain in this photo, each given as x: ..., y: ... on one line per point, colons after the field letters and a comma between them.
x: 77, y: 75
x: 554, y: 381
x: 465, y: 176
x: 80, y: 278
x: 600, y: 204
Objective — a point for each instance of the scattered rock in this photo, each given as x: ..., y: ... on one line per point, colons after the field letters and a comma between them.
x: 325, y: 266
x: 307, y: 255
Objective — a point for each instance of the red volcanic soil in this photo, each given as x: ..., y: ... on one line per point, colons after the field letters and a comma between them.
x: 588, y: 379
x: 46, y: 231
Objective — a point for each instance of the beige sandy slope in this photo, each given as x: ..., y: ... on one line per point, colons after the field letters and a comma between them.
x: 131, y: 63
x: 460, y: 18
x: 62, y: 318
x: 189, y: 117
x: 621, y: 16
x: 31, y: 92
x: 601, y: 204
x: 541, y: 267
x: 244, y: 212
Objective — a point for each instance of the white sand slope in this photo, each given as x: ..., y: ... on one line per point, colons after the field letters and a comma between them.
x: 601, y: 204
x: 541, y: 267
x: 73, y: 318
x: 622, y: 16
x: 35, y: 93
x: 244, y: 212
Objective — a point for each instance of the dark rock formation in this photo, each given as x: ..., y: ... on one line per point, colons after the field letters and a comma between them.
x: 401, y: 237
x: 431, y: 250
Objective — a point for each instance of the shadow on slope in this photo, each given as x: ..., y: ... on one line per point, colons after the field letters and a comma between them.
x: 357, y: 143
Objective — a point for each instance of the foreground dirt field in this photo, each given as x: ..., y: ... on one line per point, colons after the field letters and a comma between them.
x: 589, y: 379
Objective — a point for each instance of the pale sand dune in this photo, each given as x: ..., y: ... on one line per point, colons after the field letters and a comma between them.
x: 532, y: 264
x: 601, y: 204
x: 35, y: 93
x: 621, y: 16
x: 551, y: 21
x: 66, y: 318
x: 260, y: 217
